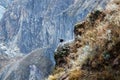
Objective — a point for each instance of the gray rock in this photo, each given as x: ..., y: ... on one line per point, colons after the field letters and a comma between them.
x: 35, y: 66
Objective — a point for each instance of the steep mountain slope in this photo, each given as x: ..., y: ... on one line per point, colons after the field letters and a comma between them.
x: 35, y: 66
x: 31, y: 24
x: 95, y: 52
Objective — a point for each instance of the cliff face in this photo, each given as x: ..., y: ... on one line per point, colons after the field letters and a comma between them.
x: 30, y: 24
x: 95, y: 53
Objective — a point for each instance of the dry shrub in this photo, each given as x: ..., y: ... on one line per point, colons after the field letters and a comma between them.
x: 51, y: 77
x: 75, y: 74
x: 58, y: 70
x: 105, y: 75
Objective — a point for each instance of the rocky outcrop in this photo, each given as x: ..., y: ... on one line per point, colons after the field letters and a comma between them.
x: 95, y: 53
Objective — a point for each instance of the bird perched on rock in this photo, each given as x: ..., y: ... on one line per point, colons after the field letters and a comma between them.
x: 61, y: 40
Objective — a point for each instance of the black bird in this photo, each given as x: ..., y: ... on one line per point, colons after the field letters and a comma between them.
x: 61, y: 40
